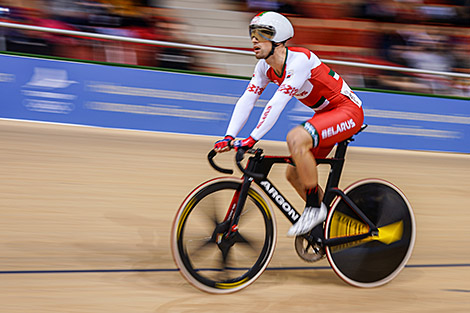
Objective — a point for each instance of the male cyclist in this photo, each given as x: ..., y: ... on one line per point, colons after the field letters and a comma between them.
x: 299, y: 73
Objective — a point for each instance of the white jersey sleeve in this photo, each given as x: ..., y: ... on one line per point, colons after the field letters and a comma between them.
x: 297, y: 73
x: 247, y: 101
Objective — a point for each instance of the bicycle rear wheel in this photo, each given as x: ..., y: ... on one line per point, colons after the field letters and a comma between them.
x: 205, y: 257
x: 375, y: 260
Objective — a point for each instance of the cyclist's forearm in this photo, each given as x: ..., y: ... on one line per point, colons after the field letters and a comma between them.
x: 271, y: 113
x: 241, y: 113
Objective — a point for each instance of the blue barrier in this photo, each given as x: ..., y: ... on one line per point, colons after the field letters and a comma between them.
x: 118, y: 97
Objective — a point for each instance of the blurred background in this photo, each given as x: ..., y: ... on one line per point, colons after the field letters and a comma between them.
x: 423, y: 34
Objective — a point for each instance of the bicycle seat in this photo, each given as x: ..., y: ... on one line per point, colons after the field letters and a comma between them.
x: 364, y: 126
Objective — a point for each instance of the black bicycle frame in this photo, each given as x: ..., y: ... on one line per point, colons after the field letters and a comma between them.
x: 263, y: 165
x: 259, y: 164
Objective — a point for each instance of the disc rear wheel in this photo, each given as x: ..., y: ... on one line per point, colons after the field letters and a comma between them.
x: 377, y: 259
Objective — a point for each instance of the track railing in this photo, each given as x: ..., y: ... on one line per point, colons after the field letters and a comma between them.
x: 216, y: 49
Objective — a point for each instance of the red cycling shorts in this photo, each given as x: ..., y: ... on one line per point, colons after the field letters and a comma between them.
x: 333, y: 126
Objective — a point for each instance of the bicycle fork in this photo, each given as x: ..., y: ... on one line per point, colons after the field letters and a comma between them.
x: 226, y: 233
x: 238, y: 202
x: 230, y: 223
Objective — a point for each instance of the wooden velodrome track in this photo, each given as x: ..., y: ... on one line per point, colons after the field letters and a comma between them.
x: 86, y: 215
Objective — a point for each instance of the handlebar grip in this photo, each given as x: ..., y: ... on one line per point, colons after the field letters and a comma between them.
x: 238, y: 158
x: 210, y: 157
x: 240, y: 155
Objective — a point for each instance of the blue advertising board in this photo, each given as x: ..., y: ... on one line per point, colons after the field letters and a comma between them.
x: 118, y: 97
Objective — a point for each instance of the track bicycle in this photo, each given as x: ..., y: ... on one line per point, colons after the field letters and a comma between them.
x: 224, y: 233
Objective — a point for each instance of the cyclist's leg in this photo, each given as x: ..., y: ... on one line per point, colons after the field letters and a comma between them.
x: 315, y: 138
x: 300, y: 141
x: 305, y: 145
x: 294, y: 180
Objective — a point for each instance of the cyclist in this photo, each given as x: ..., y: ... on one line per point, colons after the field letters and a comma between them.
x: 299, y: 73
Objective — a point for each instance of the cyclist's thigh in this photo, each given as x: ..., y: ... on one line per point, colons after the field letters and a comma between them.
x: 335, y: 125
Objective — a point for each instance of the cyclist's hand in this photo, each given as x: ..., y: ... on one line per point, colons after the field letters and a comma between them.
x: 223, y: 144
x: 247, y: 143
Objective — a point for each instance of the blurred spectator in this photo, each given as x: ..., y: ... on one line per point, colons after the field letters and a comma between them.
x: 421, y: 50
x: 463, y: 12
x: 263, y: 5
x: 456, y: 12
x: 461, y: 52
x: 173, y: 30
x: 393, y: 44
x: 281, y: 6
x: 382, y: 10
x: 430, y: 52
x: 111, y: 17
x: 23, y: 40
x: 289, y: 7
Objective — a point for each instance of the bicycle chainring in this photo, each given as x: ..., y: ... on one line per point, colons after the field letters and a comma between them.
x: 307, y: 250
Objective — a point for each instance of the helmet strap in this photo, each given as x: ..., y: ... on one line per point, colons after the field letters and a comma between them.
x: 273, y: 47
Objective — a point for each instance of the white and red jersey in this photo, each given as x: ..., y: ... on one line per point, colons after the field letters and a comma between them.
x: 303, y: 76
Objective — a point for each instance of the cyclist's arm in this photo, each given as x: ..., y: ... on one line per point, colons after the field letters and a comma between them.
x: 299, y: 73
x: 247, y: 101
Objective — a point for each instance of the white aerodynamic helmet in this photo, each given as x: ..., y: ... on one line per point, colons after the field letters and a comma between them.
x: 271, y: 26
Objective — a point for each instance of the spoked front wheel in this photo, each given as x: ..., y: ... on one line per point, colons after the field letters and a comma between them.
x: 377, y: 259
x: 208, y: 258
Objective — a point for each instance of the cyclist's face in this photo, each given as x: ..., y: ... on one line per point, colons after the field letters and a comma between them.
x: 261, y: 48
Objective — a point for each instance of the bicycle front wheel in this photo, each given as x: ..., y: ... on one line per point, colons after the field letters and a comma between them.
x: 204, y: 255
x: 377, y: 259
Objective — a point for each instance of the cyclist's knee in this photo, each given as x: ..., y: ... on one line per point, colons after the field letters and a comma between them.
x: 299, y: 138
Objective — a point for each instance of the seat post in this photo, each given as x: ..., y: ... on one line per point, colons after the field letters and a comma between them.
x: 341, y: 148
x: 337, y: 164
x: 336, y: 170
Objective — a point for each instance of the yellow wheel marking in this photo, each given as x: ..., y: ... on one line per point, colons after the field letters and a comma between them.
x: 183, y: 216
x: 343, y: 225
x: 231, y: 285
x: 258, y: 198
